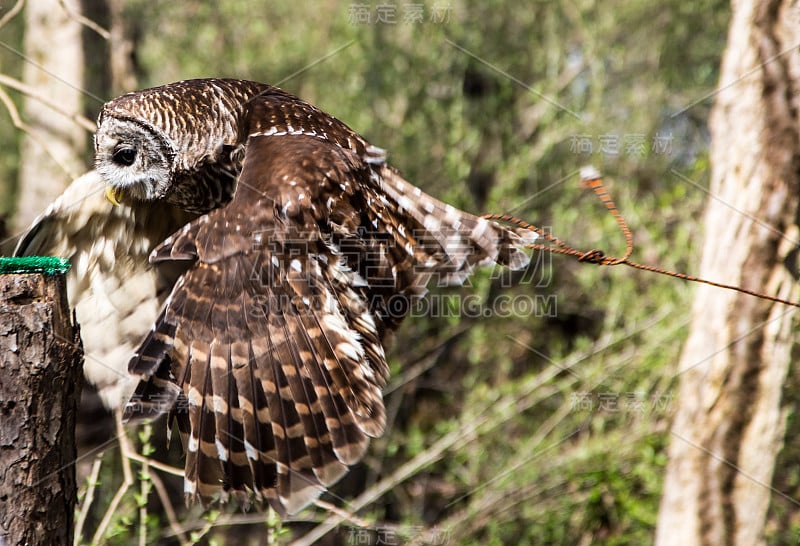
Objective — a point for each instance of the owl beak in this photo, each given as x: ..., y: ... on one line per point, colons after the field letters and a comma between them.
x: 114, y: 195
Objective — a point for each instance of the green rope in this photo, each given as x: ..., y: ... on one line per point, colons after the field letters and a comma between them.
x: 48, y: 265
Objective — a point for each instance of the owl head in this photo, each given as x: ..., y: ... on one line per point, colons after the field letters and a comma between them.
x: 134, y: 157
x: 145, y: 140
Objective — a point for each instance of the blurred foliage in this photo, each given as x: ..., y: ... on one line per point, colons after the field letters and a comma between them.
x: 493, y: 106
x: 10, y: 64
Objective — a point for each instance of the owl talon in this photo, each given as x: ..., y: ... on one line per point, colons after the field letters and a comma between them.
x: 114, y: 195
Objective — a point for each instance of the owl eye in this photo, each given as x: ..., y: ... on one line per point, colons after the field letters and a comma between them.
x: 124, y: 156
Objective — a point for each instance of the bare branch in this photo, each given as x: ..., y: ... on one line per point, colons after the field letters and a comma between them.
x: 12, y: 13
x: 127, y: 480
x: 155, y: 464
x: 88, y: 23
x: 88, y: 499
x: 169, y: 510
x: 14, y: 83
x: 16, y: 119
x: 344, y: 514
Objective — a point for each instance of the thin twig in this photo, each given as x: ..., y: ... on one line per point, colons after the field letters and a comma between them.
x: 12, y: 13
x: 14, y: 83
x: 127, y: 479
x: 226, y: 519
x: 169, y: 510
x: 88, y: 499
x: 81, y: 20
x: 22, y: 126
x: 138, y: 457
x: 344, y: 514
x: 415, y: 368
x: 144, y: 490
x: 210, y: 524
x: 424, y: 362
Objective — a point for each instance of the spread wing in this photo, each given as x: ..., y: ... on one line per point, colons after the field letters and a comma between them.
x: 115, y: 292
x: 269, y: 350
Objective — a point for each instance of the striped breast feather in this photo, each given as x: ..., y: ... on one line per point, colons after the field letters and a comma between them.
x: 452, y: 241
x: 276, y: 374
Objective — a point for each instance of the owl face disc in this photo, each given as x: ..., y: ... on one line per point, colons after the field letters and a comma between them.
x: 135, y: 160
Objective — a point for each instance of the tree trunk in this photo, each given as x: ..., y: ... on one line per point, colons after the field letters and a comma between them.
x: 40, y: 379
x: 728, y: 427
x: 53, y: 154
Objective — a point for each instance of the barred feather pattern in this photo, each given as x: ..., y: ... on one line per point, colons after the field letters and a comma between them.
x: 269, y: 351
x: 115, y: 292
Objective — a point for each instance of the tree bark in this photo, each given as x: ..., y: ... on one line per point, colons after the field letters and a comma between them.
x: 40, y: 380
x: 728, y: 427
x: 53, y: 154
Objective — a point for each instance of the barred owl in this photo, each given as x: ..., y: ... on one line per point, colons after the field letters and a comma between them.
x: 306, y: 252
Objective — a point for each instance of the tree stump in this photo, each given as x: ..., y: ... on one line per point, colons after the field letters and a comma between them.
x: 40, y: 382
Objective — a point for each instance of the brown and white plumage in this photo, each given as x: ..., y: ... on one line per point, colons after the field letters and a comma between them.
x: 308, y: 251
x: 115, y: 292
